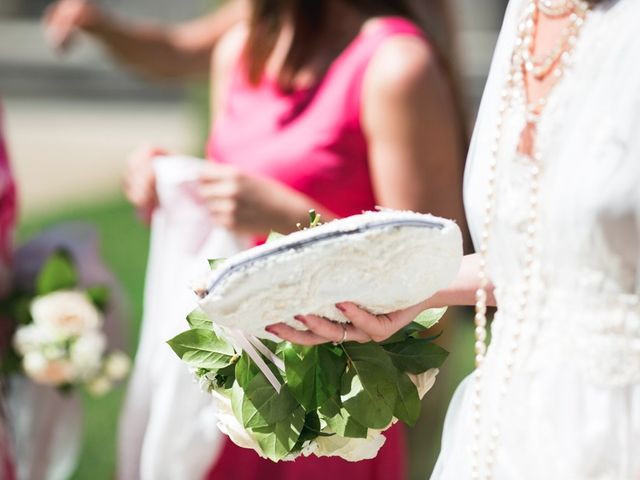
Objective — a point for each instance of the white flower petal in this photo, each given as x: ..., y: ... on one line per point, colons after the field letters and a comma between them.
x: 68, y: 312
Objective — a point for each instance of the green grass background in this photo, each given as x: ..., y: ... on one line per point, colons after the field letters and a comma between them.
x: 124, y: 247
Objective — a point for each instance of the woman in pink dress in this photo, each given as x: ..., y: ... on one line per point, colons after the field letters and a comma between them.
x: 335, y: 105
x: 7, y: 224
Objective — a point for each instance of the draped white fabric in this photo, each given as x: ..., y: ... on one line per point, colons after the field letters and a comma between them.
x: 168, y: 425
x: 572, y: 410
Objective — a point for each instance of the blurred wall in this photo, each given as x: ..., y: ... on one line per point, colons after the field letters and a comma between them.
x: 72, y: 120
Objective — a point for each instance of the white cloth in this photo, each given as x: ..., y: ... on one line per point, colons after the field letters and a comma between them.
x: 168, y: 426
x: 572, y: 409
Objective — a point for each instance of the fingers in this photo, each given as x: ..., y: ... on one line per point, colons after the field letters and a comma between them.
x: 376, y: 327
x: 61, y: 20
x: 139, y: 179
x: 216, y: 172
x: 295, y: 336
x: 333, y: 331
x: 217, y: 191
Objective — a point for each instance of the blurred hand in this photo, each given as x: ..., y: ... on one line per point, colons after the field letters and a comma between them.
x: 140, y: 181
x: 364, y: 327
x: 248, y: 203
x: 64, y: 18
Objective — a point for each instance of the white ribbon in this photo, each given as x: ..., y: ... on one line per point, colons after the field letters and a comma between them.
x: 252, y: 346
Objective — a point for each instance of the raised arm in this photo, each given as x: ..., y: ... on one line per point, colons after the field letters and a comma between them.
x: 158, y: 51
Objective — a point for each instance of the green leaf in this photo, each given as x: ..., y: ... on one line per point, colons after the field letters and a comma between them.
x: 369, y: 387
x: 215, y: 262
x: 416, y: 355
x: 265, y: 405
x: 201, y: 348
x: 345, y: 425
x: 280, y: 439
x: 226, y: 377
x: 310, y: 430
x: 407, y: 407
x: 99, y: 296
x: 422, y: 323
x: 314, y: 376
x: 430, y: 317
x: 58, y: 273
x: 274, y: 236
x: 199, y: 319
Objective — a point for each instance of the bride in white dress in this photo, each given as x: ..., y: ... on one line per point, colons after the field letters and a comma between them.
x: 552, y: 192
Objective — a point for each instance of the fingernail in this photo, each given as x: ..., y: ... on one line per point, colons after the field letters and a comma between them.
x: 341, y: 307
x: 270, y: 329
x: 301, y: 319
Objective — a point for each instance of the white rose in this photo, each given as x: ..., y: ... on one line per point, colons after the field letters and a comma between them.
x: 424, y: 381
x: 68, y: 312
x: 351, y: 449
x: 99, y: 386
x: 229, y: 424
x: 48, y: 372
x: 87, y: 352
x: 117, y: 366
x: 32, y: 337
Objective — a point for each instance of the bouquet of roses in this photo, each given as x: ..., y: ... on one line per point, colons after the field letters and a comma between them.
x: 285, y: 400
x: 58, y: 339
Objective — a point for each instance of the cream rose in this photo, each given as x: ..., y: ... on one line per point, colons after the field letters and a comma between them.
x: 117, y: 366
x: 350, y: 449
x: 48, y: 372
x: 69, y: 312
x: 87, y: 351
x: 33, y: 337
x: 99, y: 386
x: 424, y: 381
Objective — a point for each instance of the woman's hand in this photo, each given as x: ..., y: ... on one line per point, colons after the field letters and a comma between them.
x: 140, y: 181
x: 64, y: 18
x: 249, y: 203
x: 364, y: 327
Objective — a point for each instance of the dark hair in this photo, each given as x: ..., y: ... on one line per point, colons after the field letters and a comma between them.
x: 310, y: 18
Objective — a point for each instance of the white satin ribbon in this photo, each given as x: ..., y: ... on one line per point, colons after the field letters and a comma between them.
x: 253, y: 346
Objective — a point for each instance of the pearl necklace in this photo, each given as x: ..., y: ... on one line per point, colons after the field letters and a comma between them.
x: 540, y: 67
x: 556, y: 9
x: 515, y: 88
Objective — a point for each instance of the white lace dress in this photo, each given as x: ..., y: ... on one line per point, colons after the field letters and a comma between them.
x: 572, y: 408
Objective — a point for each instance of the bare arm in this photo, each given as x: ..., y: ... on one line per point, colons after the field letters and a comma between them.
x: 413, y: 133
x: 415, y: 150
x: 366, y: 327
x: 158, y: 51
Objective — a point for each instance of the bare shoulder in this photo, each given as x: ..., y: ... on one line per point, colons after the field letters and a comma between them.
x: 228, y: 49
x: 403, y: 66
x: 224, y: 58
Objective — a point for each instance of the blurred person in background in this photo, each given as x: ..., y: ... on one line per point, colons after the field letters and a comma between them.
x: 7, y: 225
x: 340, y: 106
x: 151, y: 49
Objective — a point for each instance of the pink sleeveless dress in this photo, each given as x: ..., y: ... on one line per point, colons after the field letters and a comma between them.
x: 311, y: 140
x: 7, y: 224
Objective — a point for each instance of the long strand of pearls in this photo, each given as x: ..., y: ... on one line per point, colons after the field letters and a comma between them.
x: 541, y: 66
x: 483, y: 459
